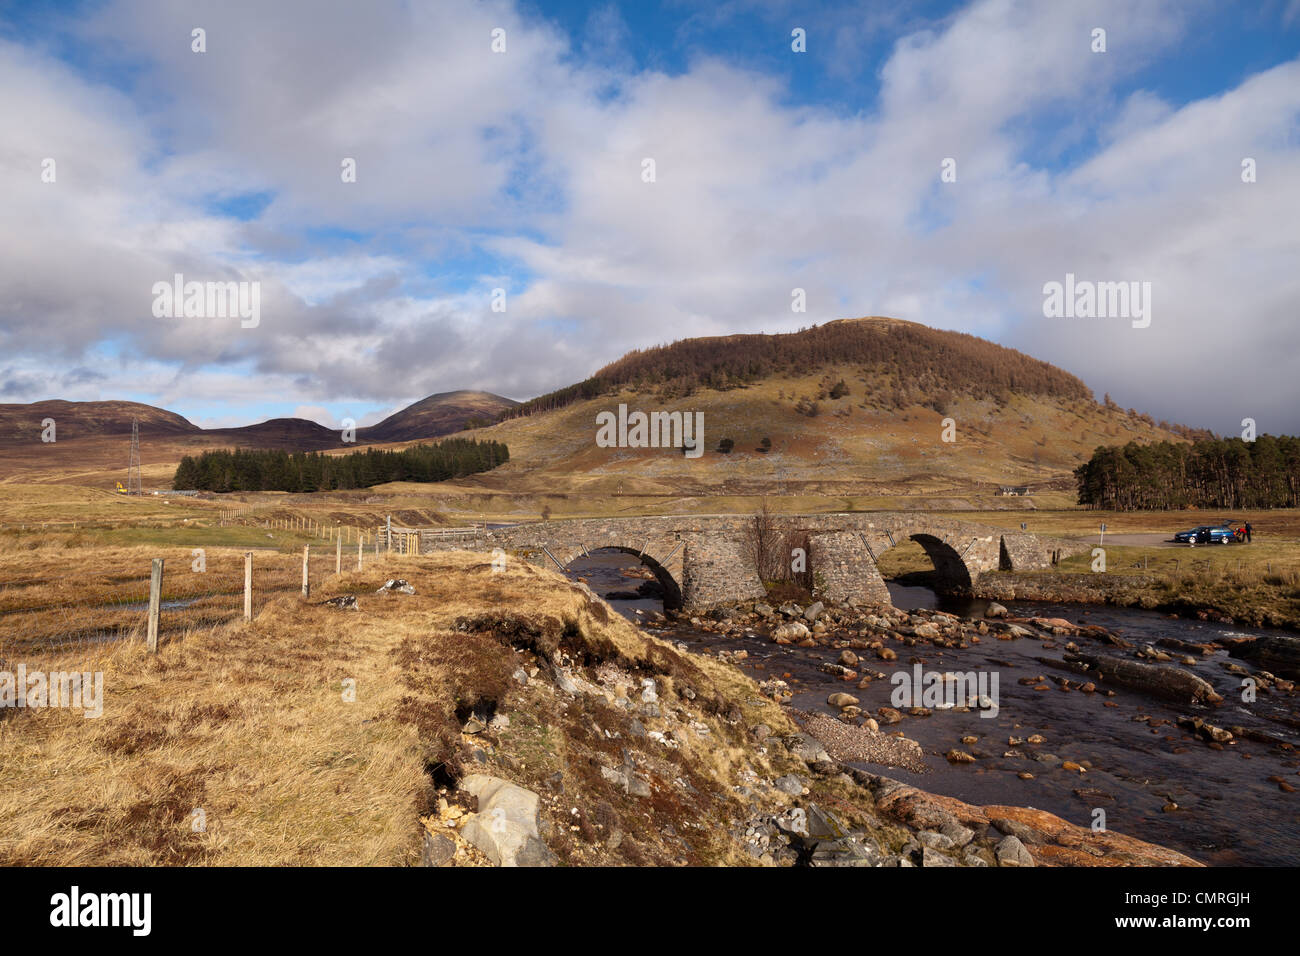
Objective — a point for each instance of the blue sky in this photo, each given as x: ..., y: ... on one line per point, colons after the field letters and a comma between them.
x: 521, y: 171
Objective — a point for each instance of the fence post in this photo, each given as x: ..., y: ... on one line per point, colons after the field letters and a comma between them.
x: 338, y: 554
x: 155, y: 600
x: 360, y: 545
x: 248, y: 585
x: 388, y: 534
x: 306, y: 588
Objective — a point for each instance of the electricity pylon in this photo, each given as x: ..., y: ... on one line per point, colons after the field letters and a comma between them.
x: 133, y: 486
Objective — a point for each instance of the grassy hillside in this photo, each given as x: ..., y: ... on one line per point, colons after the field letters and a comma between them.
x: 910, y: 364
x: 21, y: 425
x: 853, y: 408
x: 440, y: 414
x: 248, y: 723
x: 851, y: 446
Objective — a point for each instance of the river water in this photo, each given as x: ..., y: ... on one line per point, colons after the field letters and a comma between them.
x: 1227, y: 810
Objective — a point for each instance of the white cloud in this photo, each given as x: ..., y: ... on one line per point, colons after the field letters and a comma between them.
x: 465, y: 156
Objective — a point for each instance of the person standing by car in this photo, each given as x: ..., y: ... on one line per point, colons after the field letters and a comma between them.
x: 1249, y: 529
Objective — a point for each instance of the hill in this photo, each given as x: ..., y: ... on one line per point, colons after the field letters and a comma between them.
x: 286, y: 434
x: 439, y: 414
x: 909, y: 363
x: 857, y: 408
x: 91, y: 445
x: 21, y: 424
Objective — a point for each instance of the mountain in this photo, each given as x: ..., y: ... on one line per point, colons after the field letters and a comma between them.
x: 431, y: 417
x: 856, y: 407
x: 91, y: 445
x: 289, y: 434
x: 910, y: 364
x: 439, y: 414
x: 21, y: 424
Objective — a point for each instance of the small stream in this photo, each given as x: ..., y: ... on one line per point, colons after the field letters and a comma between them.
x: 1227, y: 810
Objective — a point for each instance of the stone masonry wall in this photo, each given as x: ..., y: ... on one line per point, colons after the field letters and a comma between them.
x: 843, y: 569
x: 704, y: 553
x: 716, y: 572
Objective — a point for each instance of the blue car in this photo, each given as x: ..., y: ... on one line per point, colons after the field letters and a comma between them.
x: 1207, y: 534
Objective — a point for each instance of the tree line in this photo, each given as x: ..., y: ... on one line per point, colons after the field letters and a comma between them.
x: 1208, y: 473
x: 267, y: 470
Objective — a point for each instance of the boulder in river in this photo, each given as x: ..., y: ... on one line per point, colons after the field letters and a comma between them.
x: 794, y: 631
x: 1162, y: 680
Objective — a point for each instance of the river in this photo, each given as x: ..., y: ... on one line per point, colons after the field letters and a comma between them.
x: 1140, y: 763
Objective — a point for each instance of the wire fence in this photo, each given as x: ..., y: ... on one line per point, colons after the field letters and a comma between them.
x: 78, y: 604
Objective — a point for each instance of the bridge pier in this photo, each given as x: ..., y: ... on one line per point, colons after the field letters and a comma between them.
x: 843, y: 569
x: 714, y: 571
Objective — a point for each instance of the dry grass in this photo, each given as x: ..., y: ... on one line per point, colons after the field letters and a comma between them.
x: 247, y: 722
x: 1256, y: 584
x: 58, y: 591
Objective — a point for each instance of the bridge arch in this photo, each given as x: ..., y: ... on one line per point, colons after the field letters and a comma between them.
x: 672, y: 589
x: 959, y: 552
x: 951, y: 571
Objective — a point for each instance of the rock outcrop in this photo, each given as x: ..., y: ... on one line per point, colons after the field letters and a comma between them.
x: 506, y: 825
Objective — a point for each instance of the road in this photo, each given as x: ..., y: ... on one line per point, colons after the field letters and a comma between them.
x: 1156, y: 540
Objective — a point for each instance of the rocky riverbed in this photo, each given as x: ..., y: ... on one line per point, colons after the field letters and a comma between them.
x: 578, y: 739
x: 790, y: 799
x: 1183, y: 733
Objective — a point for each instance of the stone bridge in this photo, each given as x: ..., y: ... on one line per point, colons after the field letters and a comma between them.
x: 701, y: 560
